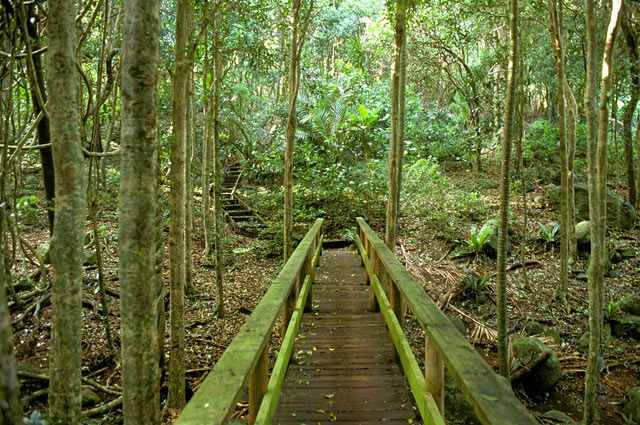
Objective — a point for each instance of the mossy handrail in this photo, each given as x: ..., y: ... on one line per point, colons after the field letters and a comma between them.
x: 489, y: 394
x: 247, y: 357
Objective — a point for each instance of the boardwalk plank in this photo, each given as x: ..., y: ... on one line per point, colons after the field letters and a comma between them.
x: 350, y: 374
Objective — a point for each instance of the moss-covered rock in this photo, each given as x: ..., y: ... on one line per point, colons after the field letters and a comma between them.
x: 544, y: 377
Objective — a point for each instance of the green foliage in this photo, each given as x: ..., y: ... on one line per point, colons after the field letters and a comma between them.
x: 27, y: 208
x: 613, y: 306
x: 549, y: 232
x: 478, y: 240
x: 34, y: 419
x: 475, y: 283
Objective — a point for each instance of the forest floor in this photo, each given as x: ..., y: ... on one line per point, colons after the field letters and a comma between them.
x: 432, y: 261
x: 428, y: 254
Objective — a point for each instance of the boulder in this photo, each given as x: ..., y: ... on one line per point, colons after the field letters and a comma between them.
x: 581, y: 190
x: 627, y: 326
x: 544, y: 377
x: 491, y: 247
x: 43, y: 252
x: 583, y: 343
x: 583, y: 235
x: 455, y: 403
x: 32, y: 181
x: 458, y: 323
x: 89, y: 398
x: 533, y: 328
x: 632, y: 408
x: 554, y: 336
x: 90, y: 258
x: 631, y: 305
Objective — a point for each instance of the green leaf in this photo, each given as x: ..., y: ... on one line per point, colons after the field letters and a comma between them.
x: 489, y: 398
x: 329, y: 395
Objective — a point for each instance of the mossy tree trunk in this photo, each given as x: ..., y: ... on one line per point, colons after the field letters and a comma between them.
x: 176, y: 397
x: 65, y: 391
x: 597, y: 157
x: 138, y: 203
x: 217, y: 166
x: 629, y: 110
x: 556, y: 28
x: 509, y: 118
x: 396, y: 143
x: 188, y: 200
x: 296, y: 43
x: 572, y: 110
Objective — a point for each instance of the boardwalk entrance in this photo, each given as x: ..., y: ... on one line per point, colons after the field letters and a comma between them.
x: 343, y: 372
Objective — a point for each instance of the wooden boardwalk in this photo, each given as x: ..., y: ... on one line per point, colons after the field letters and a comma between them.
x: 343, y: 371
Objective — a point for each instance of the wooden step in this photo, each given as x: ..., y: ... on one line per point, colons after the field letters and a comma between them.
x: 240, y: 213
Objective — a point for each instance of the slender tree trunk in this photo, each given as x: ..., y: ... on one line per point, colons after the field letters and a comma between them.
x: 39, y: 99
x: 207, y: 148
x: 509, y: 113
x: 396, y: 144
x: 556, y: 18
x: 292, y: 122
x: 629, y: 110
x: 65, y: 391
x: 217, y: 167
x: 188, y: 209
x: 572, y: 109
x: 597, y: 156
x: 10, y: 408
x: 138, y: 203
x: 176, y: 397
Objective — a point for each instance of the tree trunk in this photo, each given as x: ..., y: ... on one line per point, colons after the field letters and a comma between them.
x: 217, y: 168
x: 396, y: 143
x: 188, y: 208
x: 65, y: 391
x: 138, y: 200
x: 629, y: 110
x: 176, y: 396
x: 509, y: 113
x: 292, y: 122
x: 597, y: 156
x: 572, y: 109
x: 207, y: 149
x: 556, y: 27
x: 39, y: 99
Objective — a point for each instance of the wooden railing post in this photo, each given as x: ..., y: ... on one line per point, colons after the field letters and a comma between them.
x: 364, y: 240
x: 306, y: 270
x: 289, y: 306
x: 375, y: 265
x: 258, y: 384
x: 395, y: 299
x: 369, y: 251
x: 434, y: 374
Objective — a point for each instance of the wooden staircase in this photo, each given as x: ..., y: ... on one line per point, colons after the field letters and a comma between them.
x: 242, y: 218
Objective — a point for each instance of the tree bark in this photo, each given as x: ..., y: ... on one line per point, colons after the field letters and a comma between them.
x: 629, y: 110
x: 509, y: 113
x: 597, y: 156
x: 188, y: 208
x: 138, y: 200
x: 65, y: 391
x: 556, y: 27
x: 176, y: 396
x: 396, y: 144
x: 38, y: 93
x: 217, y: 167
x: 292, y: 122
x: 572, y: 109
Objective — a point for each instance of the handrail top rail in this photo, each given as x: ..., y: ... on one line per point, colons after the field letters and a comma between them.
x: 215, y: 400
x: 490, y: 395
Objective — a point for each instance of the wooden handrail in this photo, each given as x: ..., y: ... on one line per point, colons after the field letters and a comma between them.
x: 244, y: 360
x: 489, y: 394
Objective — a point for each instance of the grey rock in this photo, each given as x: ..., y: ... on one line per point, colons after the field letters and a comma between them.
x: 455, y: 403
x: 89, y: 398
x: 583, y: 235
x: 627, y: 326
x: 90, y: 258
x: 545, y: 376
x: 553, y: 335
x: 614, y: 201
x: 632, y: 408
x: 583, y: 343
x: 458, y: 323
x: 43, y: 252
x: 491, y: 248
x: 558, y: 416
x: 32, y: 181
x: 631, y: 306
x: 533, y: 328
